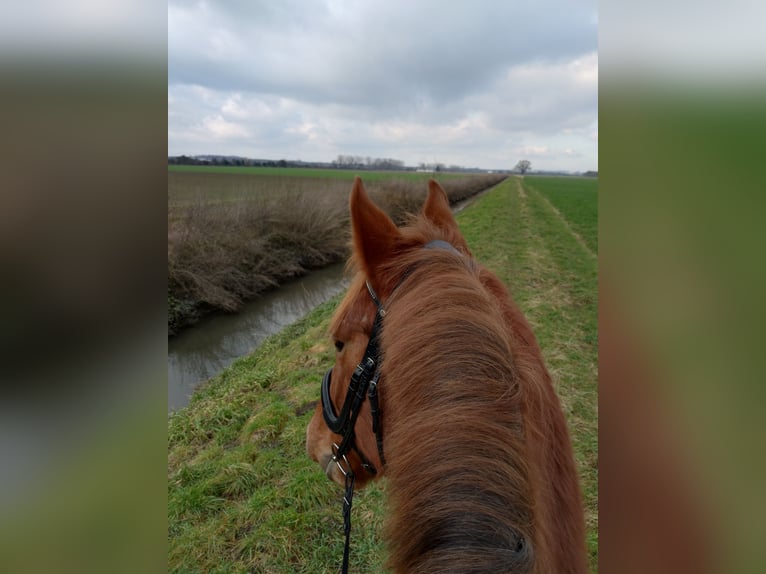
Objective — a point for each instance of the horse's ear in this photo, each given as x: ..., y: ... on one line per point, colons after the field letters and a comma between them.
x: 374, y: 234
x: 437, y: 210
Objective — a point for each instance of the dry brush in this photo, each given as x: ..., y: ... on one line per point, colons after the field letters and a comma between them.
x: 224, y: 249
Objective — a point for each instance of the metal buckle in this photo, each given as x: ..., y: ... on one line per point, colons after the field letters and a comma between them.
x: 342, y: 459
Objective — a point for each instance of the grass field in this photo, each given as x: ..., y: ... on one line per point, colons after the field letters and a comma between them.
x: 243, y: 496
x: 573, y: 198
x: 343, y: 174
x: 190, y: 187
x: 188, y: 184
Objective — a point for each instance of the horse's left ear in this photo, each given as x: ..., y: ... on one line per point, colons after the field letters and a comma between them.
x: 375, y: 236
x: 437, y: 210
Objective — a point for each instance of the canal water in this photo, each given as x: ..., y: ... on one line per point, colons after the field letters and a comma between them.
x: 204, y: 350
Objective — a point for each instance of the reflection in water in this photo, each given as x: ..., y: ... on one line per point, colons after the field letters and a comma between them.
x: 206, y: 349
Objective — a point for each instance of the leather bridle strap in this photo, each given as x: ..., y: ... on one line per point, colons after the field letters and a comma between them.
x: 365, y: 372
x: 347, y: 498
x: 372, y: 395
x: 366, y: 375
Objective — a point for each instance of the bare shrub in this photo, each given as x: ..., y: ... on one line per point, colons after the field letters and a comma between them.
x: 398, y: 198
x: 230, y: 242
x: 462, y: 188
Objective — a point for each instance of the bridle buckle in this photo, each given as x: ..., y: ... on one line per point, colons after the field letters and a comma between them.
x: 340, y: 461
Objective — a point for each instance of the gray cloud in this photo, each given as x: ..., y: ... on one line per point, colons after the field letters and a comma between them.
x: 425, y: 78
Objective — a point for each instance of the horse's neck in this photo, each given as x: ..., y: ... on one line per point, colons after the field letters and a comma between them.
x: 559, y: 510
x: 453, y: 427
x: 469, y: 489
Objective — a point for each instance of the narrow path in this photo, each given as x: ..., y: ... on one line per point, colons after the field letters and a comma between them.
x: 539, y: 288
x: 459, y: 206
x: 541, y: 281
x: 561, y: 218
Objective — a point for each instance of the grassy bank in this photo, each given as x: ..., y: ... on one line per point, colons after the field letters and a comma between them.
x: 243, y: 496
x: 231, y: 237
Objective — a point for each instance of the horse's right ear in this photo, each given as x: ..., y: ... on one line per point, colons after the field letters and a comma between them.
x: 374, y: 234
x: 437, y: 210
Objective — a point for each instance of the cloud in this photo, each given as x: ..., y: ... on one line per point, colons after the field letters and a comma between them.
x: 544, y: 97
x: 414, y: 81
x: 356, y: 53
x: 218, y: 127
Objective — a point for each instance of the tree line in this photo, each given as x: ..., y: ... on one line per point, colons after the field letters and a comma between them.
x: 360, y: 162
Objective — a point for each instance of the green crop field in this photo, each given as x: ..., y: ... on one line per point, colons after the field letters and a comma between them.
x: 242, y: 494
x: 344, y: 174
x: 575, y: 199
x: 193, y: 187
x: 192, y: 184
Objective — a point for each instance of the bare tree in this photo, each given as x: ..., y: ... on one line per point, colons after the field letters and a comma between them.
x: 523, y: 166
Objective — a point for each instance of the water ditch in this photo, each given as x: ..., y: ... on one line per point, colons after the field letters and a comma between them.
x: 204, y: 350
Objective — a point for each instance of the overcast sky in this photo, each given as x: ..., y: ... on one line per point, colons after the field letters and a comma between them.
x: 473, y: 83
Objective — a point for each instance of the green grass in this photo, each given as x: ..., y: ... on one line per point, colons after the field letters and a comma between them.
x: 211, y: 185
x: 242, y: 494
x: 344, y: 174
x: 188, y: 184
x: 575, y: 198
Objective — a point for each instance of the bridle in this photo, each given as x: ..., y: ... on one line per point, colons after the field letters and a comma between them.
x: 364, y: 382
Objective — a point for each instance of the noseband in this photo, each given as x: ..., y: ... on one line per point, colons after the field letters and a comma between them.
x: 364, y: 380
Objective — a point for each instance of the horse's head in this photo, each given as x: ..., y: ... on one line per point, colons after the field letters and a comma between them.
x: 377, y: 244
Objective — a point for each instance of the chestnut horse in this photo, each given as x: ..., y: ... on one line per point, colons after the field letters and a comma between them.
x: 474, y: 445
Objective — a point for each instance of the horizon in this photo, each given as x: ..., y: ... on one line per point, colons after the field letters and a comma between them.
x: 465, y: 86
x: 333, y: 164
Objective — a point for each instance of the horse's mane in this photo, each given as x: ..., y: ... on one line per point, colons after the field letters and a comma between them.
x: 477, y: 457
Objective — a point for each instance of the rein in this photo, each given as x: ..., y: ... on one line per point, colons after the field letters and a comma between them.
x: 364, y: 381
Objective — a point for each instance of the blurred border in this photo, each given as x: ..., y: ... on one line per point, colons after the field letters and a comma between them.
x: 682, y: 117
x: 83, y: 177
